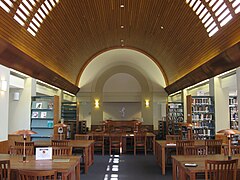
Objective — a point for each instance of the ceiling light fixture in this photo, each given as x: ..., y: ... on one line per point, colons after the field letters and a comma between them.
x: 122, y: 5
x: 122, y: 26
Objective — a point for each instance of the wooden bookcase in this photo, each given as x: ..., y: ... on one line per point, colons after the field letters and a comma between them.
x: 44, y: 114
x: 174, y: 117
x: 200, y: 112
x: 70, y: 115
x: 233, y: 111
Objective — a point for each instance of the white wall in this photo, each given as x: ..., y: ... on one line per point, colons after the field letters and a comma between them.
x: 4, y: 97
x: 20, y: 111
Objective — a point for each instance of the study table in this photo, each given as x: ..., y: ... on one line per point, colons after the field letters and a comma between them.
x: 163, y: 145
x: 183, y: 172
x: 68, y: 166
x: 86, y: 145
x: 150, y: 139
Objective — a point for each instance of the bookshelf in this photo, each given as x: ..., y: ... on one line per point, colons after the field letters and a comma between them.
x: 233, y: 111
x: 174, y: 117
x: 200, y: 112
x: 44, y: 114
x: 69, y: 114
x: 162, y: 128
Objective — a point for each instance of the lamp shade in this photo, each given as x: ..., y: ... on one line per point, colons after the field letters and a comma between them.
x: 60, y: 125
x: 25, y: 132
x: 229, y: 131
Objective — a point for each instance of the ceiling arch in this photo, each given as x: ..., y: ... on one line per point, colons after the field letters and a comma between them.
x: 122, y: 57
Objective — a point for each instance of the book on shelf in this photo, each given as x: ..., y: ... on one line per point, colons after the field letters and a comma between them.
x: 39, y: 105
x: 43, y: 114
x: 34, y: 114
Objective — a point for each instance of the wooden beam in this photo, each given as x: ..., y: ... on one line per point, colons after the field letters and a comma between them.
x: 13, y: 58
x: 225, y: 61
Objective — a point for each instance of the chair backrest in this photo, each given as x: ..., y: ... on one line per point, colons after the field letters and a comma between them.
x: 82, y: 136
x: 36, y: 174
x: 180, y: 144
x: 234, y: 150
x: 60, y: 143
x: 98, y: 137
x: 195, y: 150
x: 140, y: 138
x: 224, y: 170
x: 61, y: 151
x: 172, y: 138
x: 5, y: 169
x: 214, y: 146
x: 115, y: 138
x: 19, y: 150
x: 21, y: 143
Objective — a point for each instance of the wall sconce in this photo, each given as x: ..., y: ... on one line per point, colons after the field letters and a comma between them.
x: 96, y: 103
x: 3, y: 85
x: 147, y: 103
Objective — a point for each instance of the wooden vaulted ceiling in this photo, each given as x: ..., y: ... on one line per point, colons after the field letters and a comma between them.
x: 75, y: 31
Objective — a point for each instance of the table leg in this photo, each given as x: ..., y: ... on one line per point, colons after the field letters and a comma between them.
x: 153, y: 141
x: 174, y: 169
x: 163, y: 160
x: 86, y: 159
x: 77, y: 171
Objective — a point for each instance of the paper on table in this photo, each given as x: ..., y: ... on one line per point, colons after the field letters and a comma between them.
x: 43, y: 153
x: 61, y: 160
x: 171, y: 144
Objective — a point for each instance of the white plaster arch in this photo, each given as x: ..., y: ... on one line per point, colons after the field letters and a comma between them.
x: 118, y: 57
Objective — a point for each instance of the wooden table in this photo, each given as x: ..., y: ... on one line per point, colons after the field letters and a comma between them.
x: 86, y: 145
x: 68, y: 166
x: 179, y: 161
x: 162, y: 145
x: 150, y: 139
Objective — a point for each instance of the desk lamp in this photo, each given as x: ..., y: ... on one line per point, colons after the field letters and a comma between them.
x: 25, y: 133
x: 228, y: 133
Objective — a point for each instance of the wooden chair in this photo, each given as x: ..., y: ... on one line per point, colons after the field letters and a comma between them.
x: 19, y: 150
x: 172, y: 138
x: 140, y: 141
x: 36, y: 174
x: 82, y: 136
x: 234, y: 150
x: 195, y: 150
x: 62, y: 151
x: 115, y: 142
x: 180, y: 144
x: 224, y: 170
x: 60, y: 143
x: 171, y: 151
x: 214, y: 146
x: 27, y: 143
x: 98, y: 138
x: 5, y: 169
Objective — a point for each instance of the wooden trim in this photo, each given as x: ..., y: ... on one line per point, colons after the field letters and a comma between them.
x: 225, y: 61
x: 13, y: 58
x: 4, y: 147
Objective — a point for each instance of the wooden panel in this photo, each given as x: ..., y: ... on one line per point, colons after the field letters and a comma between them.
x: 4, y: 147
x: 77, y: 30
x: 225, y: 61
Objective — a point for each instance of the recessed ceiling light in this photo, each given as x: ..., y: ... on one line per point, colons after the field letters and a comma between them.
x: 122, y: 5
x: 122, y: 40
x: 161, y: 27
x: 122, y: 26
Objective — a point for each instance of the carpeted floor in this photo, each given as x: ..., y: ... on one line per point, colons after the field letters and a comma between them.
x: 125, y: 167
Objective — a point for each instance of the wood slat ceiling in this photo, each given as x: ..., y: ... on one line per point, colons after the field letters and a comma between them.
x: 77, y: 30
